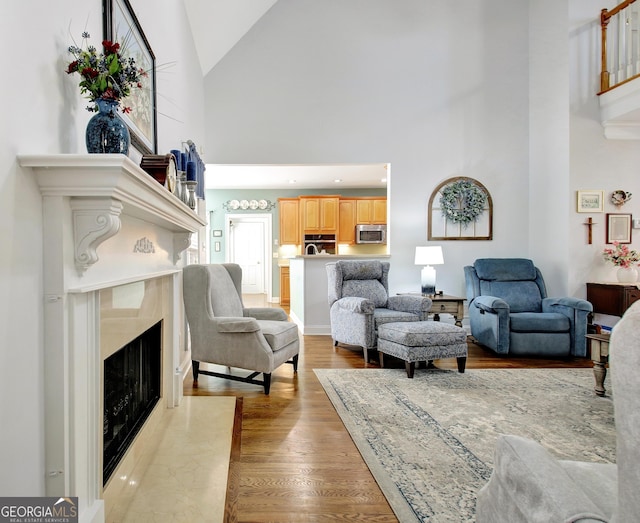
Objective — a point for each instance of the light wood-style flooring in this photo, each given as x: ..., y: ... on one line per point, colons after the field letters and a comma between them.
x: 296, y: 462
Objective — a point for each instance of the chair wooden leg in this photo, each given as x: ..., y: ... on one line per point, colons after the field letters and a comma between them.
x: 410, y: 366
x: 195, y: 367
x: 381, y: 359
x: 267, y: 383
x: 462, y: 362
x: 295, y: 363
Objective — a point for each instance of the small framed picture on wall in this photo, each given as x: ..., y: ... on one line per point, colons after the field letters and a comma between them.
x: 618, y: 228
x: 590, y: 201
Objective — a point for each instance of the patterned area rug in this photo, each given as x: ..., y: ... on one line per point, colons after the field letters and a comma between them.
x: 429, y: 440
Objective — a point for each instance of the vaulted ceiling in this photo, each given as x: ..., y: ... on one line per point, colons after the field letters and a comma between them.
x: 217, y: 25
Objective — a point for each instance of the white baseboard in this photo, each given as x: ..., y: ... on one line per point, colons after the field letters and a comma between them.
x: 312, y: 330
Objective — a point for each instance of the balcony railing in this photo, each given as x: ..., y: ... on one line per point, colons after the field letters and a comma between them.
x: 620, y: 45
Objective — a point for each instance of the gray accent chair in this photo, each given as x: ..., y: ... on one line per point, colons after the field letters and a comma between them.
x: 530, y: 485
x: 224, y: 332
x: 359, y: 303
x: 510, y: 313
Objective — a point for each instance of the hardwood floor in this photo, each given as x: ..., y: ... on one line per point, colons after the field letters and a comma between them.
x: 297, y: 463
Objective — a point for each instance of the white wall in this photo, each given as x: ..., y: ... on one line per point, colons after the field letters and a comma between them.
x: 549, y: 191
x: 43, y: 112
x: 501, y: 91
x: 596, y: 163
x: 438, y: 89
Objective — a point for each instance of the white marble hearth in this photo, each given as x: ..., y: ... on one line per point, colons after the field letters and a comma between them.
x: 106, y: 223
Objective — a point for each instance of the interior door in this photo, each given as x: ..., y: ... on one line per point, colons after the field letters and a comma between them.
x: 247, y: 239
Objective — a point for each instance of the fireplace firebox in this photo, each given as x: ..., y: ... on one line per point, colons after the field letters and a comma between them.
x: 132, y: 380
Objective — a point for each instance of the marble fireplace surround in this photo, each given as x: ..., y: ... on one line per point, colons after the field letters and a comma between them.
x: 106, y: 223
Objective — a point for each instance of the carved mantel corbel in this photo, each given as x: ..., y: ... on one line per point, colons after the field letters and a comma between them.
x: 102, y: 189
x: 95, y: 220
x: 181, y: 241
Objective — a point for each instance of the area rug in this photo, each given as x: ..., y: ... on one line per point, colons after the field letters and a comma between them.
x: 429, y: 441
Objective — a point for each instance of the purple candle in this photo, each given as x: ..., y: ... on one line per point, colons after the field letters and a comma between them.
x: 191, y: 171
x: 183, y: 162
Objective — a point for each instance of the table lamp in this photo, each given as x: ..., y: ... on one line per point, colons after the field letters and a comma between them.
x: 428, y: 256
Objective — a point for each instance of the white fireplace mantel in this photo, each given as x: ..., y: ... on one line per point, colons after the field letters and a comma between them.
x: 106, y: 223
x: 101, y: 188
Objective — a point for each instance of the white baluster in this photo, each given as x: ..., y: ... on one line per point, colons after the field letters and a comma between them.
x: 621, y: 76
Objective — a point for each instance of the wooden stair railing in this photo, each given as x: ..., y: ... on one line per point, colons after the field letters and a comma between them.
x: 622, y: 50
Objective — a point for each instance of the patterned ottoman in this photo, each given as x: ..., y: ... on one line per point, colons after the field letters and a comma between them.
x: 422, y: 341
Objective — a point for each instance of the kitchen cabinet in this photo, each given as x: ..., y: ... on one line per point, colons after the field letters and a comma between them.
x: 285, y: 286
x: 289, y: 221
x: 319, y: 214
x: 371, y: 211
x: 347, y: 222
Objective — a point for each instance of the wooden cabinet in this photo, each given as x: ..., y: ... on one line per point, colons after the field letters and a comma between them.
x: 319, y: 214
x: 310, y: 214
x: 289, y: 221
x: 328, y: 215
x: 347, y: 222
x: 371, y: 211
x: 612, y: 298
x: 285, y: 286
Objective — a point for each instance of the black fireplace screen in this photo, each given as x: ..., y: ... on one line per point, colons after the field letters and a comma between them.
x: 131, y: 391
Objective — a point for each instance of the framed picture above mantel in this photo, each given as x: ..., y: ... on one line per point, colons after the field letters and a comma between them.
x: 121, y: 25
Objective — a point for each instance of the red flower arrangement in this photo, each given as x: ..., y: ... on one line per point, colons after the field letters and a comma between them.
x: 109, y: 75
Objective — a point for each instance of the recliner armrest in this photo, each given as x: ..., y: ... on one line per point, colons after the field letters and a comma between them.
x: 574, y: 303
x: 265, y: 313
x: 355, y: 304
x: 233, y: 324
x: 409, y: 303
x: 490, y: 304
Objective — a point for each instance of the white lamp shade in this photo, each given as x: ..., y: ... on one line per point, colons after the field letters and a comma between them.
x: 429, y: 255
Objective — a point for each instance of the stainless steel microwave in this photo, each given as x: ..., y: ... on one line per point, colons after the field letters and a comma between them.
x: 371, y: 234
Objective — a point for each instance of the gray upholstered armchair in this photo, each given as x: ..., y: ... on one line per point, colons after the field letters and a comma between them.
x: 224, y: 332
x: 359, y: 302
x: 530, y: 485
x: 509, y: 311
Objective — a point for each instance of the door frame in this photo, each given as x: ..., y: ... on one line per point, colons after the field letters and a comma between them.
x: 267, y: 220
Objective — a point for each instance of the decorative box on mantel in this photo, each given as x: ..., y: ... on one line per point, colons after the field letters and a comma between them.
x: 108, y: 227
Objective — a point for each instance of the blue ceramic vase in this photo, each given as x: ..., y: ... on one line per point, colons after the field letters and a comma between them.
x: 106, y: 131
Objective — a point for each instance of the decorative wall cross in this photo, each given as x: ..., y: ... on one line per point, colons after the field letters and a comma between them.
x: 589, y: 223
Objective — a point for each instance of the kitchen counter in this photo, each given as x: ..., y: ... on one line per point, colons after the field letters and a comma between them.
x: 284, y: 262
x: 346, y: 256
x: 309, y: 307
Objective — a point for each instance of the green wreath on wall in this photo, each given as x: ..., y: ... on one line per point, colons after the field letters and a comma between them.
x: 462, y: 202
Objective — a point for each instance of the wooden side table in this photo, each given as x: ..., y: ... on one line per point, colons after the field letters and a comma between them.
x: 599, y: 348
x: 443, y: 303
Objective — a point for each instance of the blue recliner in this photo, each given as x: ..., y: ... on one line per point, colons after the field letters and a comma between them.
x: 510, y: 313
